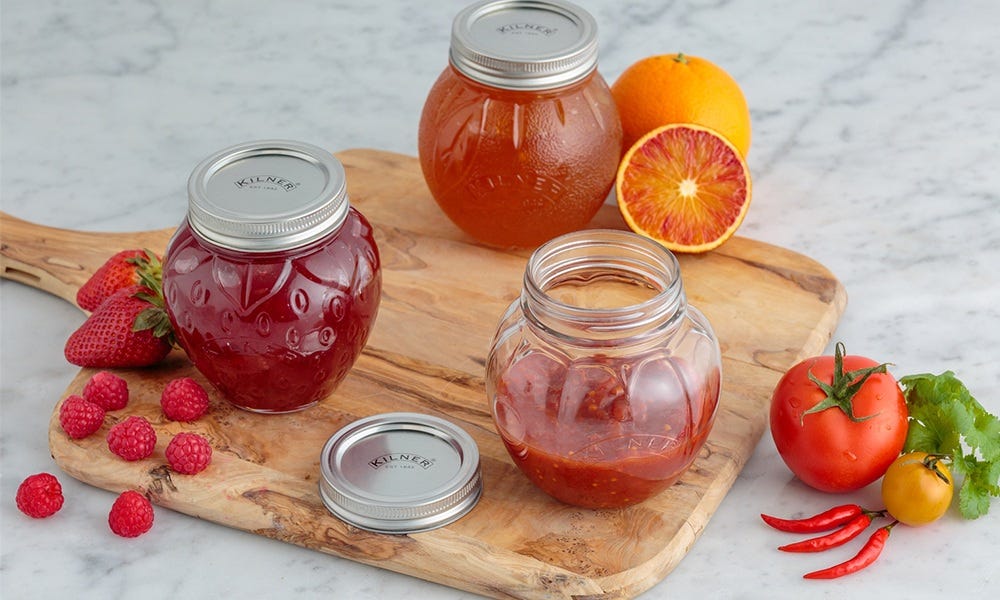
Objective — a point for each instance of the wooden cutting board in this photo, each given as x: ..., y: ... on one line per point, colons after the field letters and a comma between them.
x: 443, y: 295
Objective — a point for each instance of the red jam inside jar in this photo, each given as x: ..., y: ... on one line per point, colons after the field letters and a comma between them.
x: 273, y: 281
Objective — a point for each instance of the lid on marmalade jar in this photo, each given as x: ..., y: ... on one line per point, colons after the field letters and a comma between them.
x: 524, y: 44
x: 400, y: 473
x: 267, y: 195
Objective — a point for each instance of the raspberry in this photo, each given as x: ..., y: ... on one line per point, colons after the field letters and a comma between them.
x: 80, y: 418
x: 189, y: 453
x: 132, y: 439
x: 184, y: 400
x: 131, y: 515
x: 39, y: 496
x: 107, y: 390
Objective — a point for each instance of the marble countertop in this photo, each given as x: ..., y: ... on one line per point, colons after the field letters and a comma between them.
x: 874, y: 152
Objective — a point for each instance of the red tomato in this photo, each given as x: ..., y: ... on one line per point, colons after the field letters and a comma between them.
x: 824, y: 447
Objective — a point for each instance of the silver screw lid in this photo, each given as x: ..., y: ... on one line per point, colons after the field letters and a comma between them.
x: 267, y: 195
x: 400, y: 473
x: 524, y: 44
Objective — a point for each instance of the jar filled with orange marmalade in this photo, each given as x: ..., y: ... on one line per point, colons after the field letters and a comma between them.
x: 520, y: 138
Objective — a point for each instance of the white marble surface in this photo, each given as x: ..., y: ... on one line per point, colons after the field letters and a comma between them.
x: 875, y: 152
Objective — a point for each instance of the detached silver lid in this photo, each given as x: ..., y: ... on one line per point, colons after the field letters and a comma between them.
x: 400, y: 473
x: 524, y: 44
x: 267, y: 195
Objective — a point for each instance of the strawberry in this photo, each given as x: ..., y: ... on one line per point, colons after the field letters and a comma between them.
x: 119, y: 271
x: 129, y: 329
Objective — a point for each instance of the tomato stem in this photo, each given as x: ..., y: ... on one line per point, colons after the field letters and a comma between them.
x: 931, y: 462
x: 841, y: 391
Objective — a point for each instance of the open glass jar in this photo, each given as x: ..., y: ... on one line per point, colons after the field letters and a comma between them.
x: 603, y: 380
x: 519, y: 137
x: 273, y: 280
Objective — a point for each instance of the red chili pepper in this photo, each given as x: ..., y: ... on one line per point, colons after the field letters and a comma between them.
x: 866, y: 556
x: 824, y: 521
x: 831, y: 540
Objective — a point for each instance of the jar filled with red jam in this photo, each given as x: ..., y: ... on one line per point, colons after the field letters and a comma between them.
x: 273, y: 280
x: 519, y: 137
x: 603, y: 380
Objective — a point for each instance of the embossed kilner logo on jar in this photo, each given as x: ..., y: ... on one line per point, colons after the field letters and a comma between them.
x: 636, y: 444
x: 265, y: 182
x: 528, y: 28
x: 401, y: 460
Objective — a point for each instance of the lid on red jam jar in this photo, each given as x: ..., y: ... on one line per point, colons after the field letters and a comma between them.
x: 267, y: 195
x: 524, y: 44
x: 400, y: 473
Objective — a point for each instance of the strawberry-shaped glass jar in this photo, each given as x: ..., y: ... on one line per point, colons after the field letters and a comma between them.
x: 603, y: 380
x: 273, y: 280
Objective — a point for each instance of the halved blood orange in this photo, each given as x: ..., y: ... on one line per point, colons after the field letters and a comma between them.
x: 685, y: 186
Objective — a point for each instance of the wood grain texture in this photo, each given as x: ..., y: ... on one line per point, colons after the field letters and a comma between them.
x: 443, y: 295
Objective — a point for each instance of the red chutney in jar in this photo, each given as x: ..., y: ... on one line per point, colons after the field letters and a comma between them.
x: 520, y: 138
x: 603, y: 432
x: 273, y: 281
x: 603, y: 381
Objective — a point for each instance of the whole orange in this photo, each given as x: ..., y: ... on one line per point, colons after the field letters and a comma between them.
x: 677, y: 88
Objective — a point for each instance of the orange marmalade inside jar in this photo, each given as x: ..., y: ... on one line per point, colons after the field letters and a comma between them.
x: 519, y: 138
x: 273, y: 281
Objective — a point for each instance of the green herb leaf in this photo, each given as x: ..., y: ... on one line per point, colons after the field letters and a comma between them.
x: 946, y: 419
x: 980, y: 484
x: 972, y: 501
x: 157, y: 320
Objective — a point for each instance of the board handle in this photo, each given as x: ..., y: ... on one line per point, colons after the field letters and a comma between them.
x: 59, y: 261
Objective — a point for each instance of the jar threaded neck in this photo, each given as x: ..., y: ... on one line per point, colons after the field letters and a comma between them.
x: 595, y: 286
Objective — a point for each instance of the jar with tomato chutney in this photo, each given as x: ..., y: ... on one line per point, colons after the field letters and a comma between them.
x: 273, y: 280
x: 603, y: 380
x: 520, y: 138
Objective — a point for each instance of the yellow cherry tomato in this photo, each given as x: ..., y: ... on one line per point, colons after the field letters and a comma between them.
x: 917, y: 488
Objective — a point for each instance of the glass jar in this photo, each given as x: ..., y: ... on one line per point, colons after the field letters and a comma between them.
x: 603, y: 380
x: 273, y: 280
x: 520, y: 138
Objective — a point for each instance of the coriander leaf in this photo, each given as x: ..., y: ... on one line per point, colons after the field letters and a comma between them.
x: 986, y: 436
x: 964, y: 464
x: 980, y: 484
x: 946, y: 419
x: 920, y: 436
x: 973, y: 502
x: 931, y: 430
x: 992, y: 478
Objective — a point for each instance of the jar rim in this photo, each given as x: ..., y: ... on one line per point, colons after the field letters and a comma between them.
x: 524, y: 44
x: 616, y: 252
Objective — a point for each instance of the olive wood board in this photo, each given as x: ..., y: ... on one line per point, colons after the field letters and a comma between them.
x: 442, y: 299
